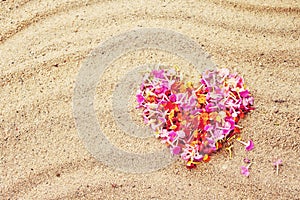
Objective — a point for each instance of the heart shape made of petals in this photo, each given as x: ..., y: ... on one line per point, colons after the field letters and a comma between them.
x: 194, y: 121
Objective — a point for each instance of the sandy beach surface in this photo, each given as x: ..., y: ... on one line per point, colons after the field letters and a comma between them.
x: 42, y: 46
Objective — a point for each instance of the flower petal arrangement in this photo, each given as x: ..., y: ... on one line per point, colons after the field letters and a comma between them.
x: 194, y: 121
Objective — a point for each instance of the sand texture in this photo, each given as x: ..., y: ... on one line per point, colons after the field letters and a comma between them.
x: 42, y: 46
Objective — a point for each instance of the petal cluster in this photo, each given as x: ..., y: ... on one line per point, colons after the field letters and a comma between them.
x: 194, y: 121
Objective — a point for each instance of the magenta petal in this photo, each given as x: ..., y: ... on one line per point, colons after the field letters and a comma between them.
x: 250, y: 145
x: 172, y: 98
x: 244, y: 93
x: 207, y: 127
x: 140, y: 98
x: 172, y: 134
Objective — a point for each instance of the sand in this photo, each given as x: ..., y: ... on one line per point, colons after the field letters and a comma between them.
x: 42, y: 47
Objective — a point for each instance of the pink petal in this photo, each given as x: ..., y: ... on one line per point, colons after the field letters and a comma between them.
x: 176, y: 150
x: 245, y: 171
x: 198, y: 158
x: 181, y: 134
x: 192, y: 101
x: 250, y: 145
x: 159, y: 90
x: 158, y: 73
x: 277, y: 162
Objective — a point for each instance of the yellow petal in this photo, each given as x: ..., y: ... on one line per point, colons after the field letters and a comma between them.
x: 173, y: 127
x: 195, y: 133
x: 171, y: 115
x: 189, y: 84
